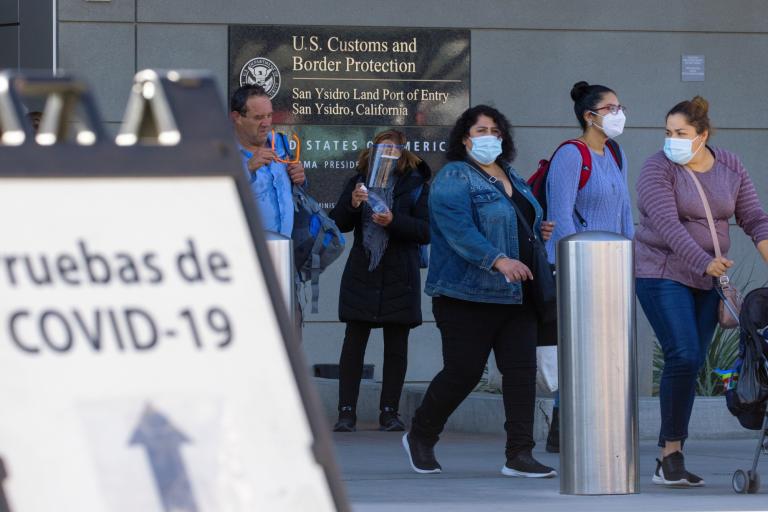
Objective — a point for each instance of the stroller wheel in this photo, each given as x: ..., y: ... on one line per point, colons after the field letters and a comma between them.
x: 740, y: 481
x: 754, y: 482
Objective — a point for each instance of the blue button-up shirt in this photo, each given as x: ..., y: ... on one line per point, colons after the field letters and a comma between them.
x: 271, y: 187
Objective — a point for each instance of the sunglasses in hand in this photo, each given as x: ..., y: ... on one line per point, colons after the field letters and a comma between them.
x: 288, y: 160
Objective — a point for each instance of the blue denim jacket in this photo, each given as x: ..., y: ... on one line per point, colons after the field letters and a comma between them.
x: 271, y: 187
x: 472, y: 225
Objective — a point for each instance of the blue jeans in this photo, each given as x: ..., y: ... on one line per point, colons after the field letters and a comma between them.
x: 684, y: 321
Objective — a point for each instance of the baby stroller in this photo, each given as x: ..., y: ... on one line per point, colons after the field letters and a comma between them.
x: 747, y: 400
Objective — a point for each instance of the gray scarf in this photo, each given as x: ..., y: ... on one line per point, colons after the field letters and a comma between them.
x: 375, y: 237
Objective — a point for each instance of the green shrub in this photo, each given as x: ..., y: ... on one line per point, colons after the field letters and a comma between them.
x: 722, y: 353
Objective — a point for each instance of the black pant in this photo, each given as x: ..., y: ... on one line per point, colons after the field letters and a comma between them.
x: 469, y: 331
x: 351, y: 363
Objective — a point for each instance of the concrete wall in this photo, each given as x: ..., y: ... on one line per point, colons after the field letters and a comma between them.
x: 9, y: 34
x: 526, y: 54
x: 26, y: 34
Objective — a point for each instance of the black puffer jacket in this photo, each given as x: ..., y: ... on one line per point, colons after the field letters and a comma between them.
x: 391, y: 293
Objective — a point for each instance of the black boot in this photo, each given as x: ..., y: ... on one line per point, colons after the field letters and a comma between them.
x: 553, y: 439
x: 347, y: 419
x: 671, y: 471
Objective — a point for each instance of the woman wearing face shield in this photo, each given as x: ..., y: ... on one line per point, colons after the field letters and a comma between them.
x: 599, y: 201
x: 479, y: 278
x: 675, y: 261
x: 385, y: 204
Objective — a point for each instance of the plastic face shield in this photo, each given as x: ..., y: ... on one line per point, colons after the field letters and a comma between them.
x: 382, y: 163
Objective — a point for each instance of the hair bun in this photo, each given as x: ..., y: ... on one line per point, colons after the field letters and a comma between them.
x: 579, y: 90
x: 700, y: 105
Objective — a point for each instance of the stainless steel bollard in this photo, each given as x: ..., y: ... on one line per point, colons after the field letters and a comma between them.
x: 597, y: 365
x: 280, y: 249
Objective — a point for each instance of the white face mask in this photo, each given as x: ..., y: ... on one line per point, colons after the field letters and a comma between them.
x: 613, y: 124
x: 680, y: 151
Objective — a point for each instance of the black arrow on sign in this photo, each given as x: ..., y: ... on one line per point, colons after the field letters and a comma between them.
x: 4, y: 507
x: 163, y: 444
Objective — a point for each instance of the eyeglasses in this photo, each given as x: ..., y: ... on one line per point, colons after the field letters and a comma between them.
x: 293, y: 160
x: 613, y: 109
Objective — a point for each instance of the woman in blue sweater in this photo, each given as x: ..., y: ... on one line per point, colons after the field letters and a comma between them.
x: 600, y: 203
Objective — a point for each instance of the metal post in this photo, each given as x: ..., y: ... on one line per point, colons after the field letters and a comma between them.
x: 280, y: 249
x: 597, y: 365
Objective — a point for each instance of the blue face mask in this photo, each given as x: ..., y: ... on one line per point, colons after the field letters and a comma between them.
x: 485, y: 149
x: 680, y: 151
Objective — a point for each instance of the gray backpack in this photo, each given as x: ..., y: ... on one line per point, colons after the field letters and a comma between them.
x: 317, y: 241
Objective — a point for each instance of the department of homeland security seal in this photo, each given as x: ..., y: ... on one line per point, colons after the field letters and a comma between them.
x: 263, y: 72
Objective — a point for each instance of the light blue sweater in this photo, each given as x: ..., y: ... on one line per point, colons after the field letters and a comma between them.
x: 604, y: 201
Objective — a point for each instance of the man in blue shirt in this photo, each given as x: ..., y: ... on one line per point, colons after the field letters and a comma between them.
x: 251, y: 115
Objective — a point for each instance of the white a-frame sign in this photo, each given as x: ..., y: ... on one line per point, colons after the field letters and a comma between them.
x: 148, y: 362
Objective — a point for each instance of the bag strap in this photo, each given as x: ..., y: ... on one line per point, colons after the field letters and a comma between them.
x: 586, y: 159
x: 613, y: 147
x: 416, y: 193
x: 585, y: 172
x: 707, y: 211
x: 286, y: 145
x: 586, y: 162
x: 723, y: 281
x: 495, y: 182
x: 300, y: 196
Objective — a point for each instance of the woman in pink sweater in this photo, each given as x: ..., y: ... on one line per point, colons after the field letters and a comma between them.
x: 676, y: 264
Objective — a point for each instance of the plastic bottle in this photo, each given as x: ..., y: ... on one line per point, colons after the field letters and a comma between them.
x: 378, y: 205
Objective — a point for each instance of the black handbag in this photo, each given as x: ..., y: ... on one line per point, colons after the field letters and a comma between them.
x: 543, y: 287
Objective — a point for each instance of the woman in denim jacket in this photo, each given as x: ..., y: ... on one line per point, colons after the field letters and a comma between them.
x: 479, y: 278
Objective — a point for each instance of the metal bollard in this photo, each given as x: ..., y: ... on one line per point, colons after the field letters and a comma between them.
x: 280, y: 249
x: 597, y: 365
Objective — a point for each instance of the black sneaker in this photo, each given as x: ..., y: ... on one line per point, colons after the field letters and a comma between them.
x: 671, y: 471
x: 523, y: 464
x: 347, y: 420
x: 420, y: 455
x: 553, y: 439
x: 389, y: 421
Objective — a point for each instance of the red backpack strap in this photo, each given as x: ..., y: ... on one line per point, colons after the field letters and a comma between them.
x: 586, y: 159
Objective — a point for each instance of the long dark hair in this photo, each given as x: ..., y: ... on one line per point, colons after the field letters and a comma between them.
x: 457, y: 150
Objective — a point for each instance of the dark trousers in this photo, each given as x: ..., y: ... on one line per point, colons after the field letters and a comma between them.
x: 353, y: 354
x: 684, y: 321
x: 470, y: 330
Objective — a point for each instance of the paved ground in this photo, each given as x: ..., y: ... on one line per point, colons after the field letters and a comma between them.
x: 378, y: 478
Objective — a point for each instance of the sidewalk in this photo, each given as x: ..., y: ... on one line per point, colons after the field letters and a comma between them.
x: 378, y: 478
x: 483, y: 413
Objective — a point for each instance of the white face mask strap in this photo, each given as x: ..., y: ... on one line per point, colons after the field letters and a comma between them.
x: 693, y: 154
x: 591, y: 122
